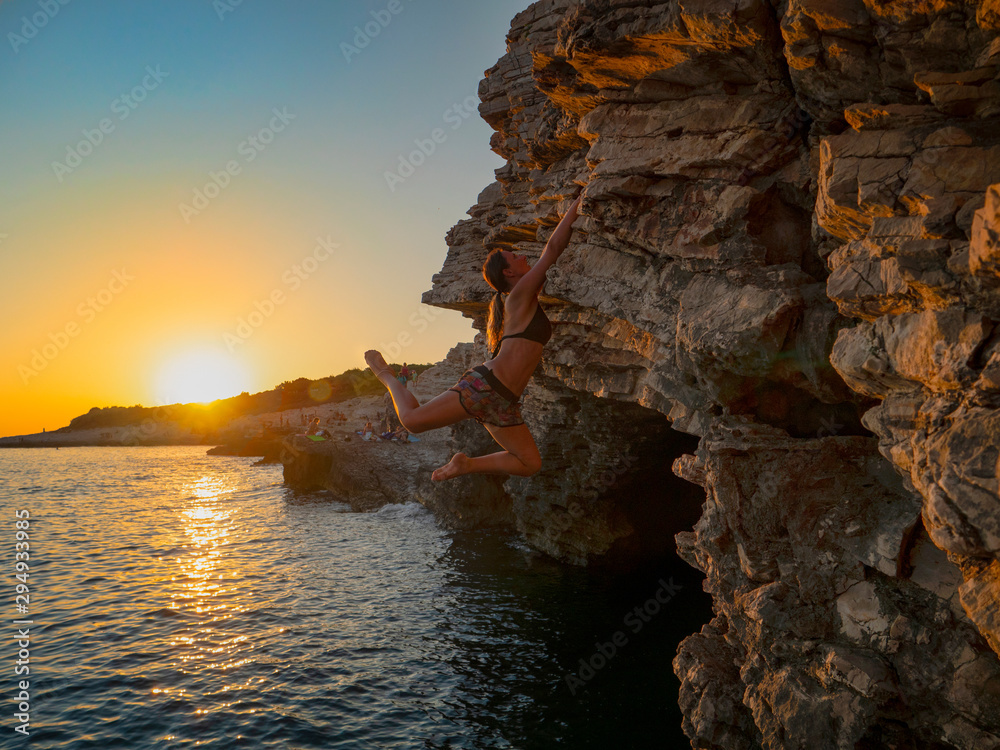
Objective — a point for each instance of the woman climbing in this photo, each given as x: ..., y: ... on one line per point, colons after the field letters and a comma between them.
x: 490, y: 393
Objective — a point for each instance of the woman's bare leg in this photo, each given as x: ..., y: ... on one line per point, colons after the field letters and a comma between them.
x: 377, y: 364
x: 520, y: 456
x: 440, y: 411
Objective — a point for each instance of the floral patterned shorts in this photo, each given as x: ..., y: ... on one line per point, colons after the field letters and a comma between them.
x: 486, y: 399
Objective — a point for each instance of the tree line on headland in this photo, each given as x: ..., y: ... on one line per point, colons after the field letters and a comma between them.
x: 291, y: 394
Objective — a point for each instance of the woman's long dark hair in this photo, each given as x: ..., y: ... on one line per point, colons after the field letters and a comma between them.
x: 493, y: 269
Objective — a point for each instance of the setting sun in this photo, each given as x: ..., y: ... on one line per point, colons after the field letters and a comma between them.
x: 200, y: 376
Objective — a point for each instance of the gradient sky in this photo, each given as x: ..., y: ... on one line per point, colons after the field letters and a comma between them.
x: 111, y: 287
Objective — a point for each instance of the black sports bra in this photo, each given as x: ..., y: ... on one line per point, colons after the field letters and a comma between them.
x: 538, y: 330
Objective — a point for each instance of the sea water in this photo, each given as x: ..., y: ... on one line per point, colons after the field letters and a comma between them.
x: 175, y: 599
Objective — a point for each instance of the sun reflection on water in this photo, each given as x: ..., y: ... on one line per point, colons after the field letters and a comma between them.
x: 206, y: 583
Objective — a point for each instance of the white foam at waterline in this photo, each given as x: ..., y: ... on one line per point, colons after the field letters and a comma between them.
x: 520, y: 545
x: 405, y: 511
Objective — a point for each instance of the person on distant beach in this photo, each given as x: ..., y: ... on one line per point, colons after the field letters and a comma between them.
x: 390, y: 414
x: 316, y: 429
x: 490, y: 393
x: 404, y: 374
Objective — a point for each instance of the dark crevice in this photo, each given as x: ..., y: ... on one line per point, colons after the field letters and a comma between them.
x: 797, y: 411
x: 785, y: 231
x: 981, y: 354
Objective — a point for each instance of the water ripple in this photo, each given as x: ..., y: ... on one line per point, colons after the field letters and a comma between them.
x: 182, y: 600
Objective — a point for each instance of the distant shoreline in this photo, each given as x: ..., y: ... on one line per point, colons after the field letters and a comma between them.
x: 63, y: 441
x: 258, y: 434
x: 32, y: 446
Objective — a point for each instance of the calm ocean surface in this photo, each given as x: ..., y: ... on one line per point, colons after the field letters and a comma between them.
x: 183, y: 600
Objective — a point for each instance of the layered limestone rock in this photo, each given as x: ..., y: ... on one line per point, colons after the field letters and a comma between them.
x: 842, y: 620
x: 790, y: 249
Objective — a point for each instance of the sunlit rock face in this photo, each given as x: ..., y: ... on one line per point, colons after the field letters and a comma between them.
x: 791, y: 250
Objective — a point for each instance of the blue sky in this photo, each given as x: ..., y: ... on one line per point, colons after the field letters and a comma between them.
x: 210, y: 77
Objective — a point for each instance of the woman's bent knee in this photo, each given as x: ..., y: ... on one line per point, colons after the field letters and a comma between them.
x: 413, y: 425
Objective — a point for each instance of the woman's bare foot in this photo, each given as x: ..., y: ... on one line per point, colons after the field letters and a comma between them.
x: 376, y: 362
x: 458, y: 465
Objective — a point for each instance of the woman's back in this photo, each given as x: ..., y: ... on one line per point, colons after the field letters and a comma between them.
x: 518, y: 354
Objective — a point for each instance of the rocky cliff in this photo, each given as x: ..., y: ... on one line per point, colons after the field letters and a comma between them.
x: 784, y: 290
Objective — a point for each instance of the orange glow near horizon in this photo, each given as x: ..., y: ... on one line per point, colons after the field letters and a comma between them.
x: 292, y: 266
x: 200, y: 376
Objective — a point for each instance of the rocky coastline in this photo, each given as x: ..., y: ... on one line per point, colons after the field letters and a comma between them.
x: 106, y: 437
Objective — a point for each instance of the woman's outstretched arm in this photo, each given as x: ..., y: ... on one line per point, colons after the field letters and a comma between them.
x: 563, y: 231
x: 531, y: 282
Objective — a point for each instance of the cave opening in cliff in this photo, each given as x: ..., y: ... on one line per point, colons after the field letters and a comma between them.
x: 654, y: 502
x: 607, y: 495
